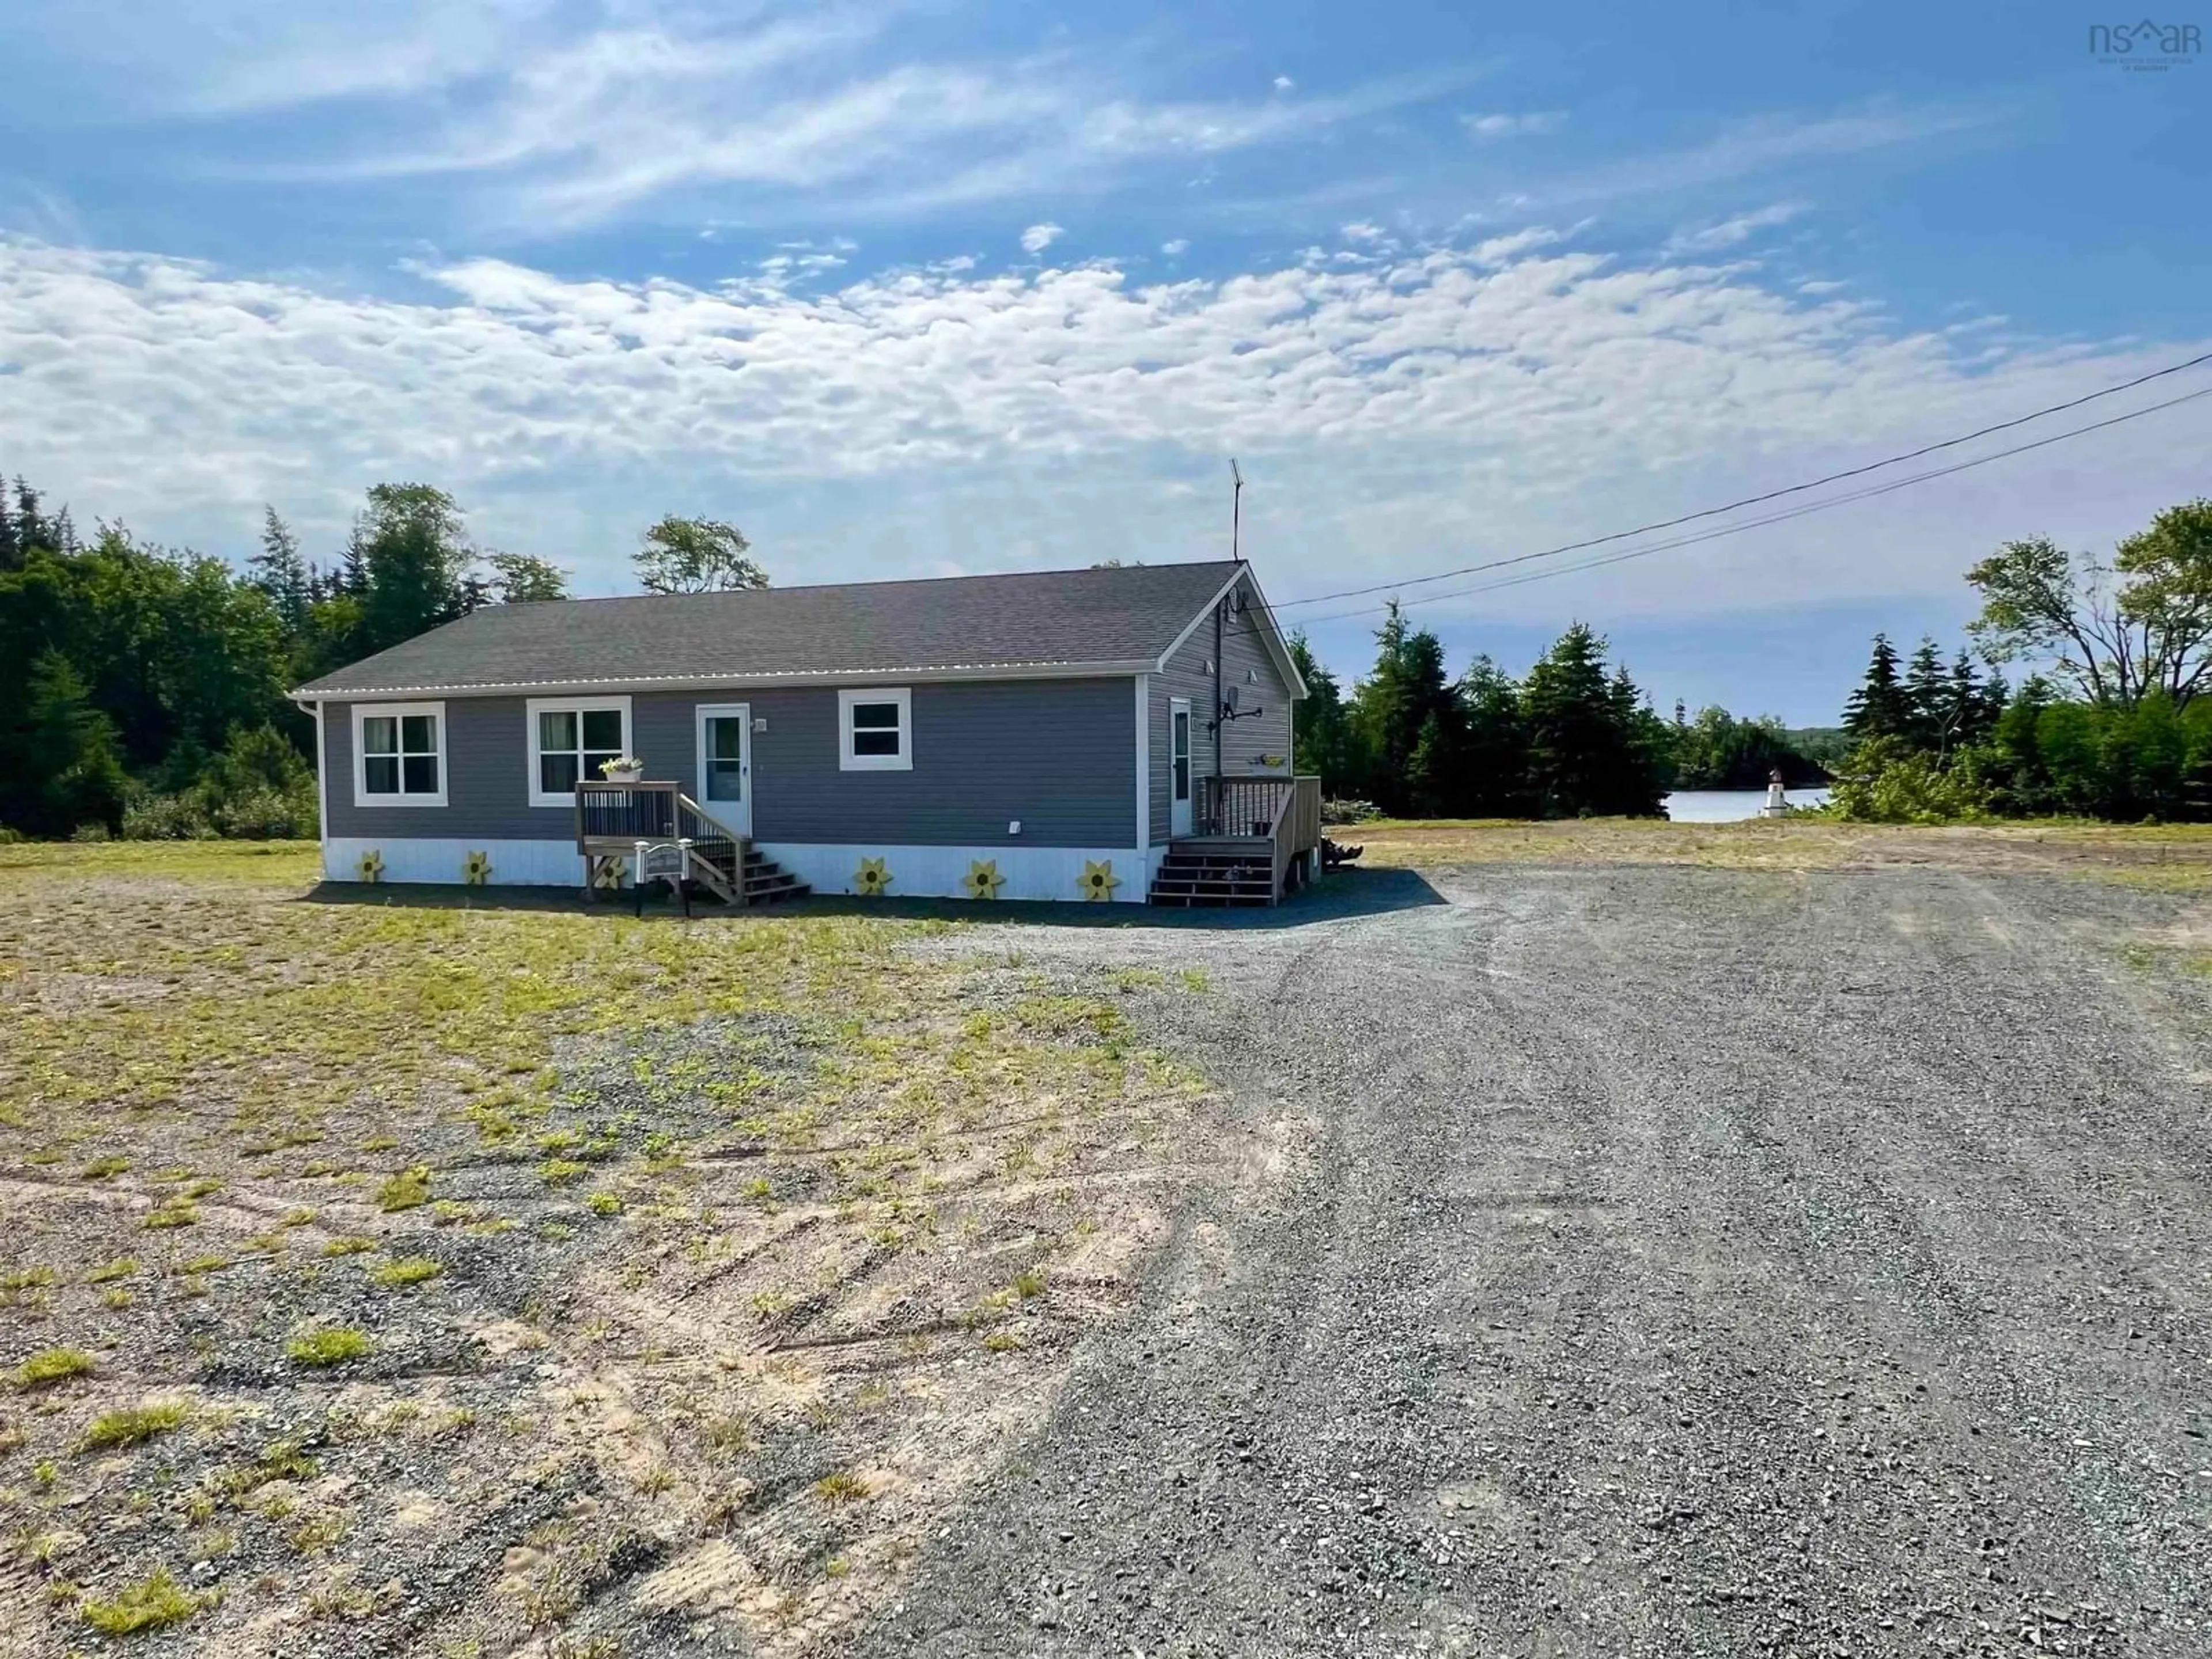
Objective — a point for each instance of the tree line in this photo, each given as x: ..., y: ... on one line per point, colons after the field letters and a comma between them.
x: 1574, y: 737
x: 142, y: 687
x: 2111, y: 720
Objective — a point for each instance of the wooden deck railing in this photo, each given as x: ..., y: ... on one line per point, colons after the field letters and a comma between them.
x: 1285, y: 812
x: 624, y: 812
x: 612, y: 818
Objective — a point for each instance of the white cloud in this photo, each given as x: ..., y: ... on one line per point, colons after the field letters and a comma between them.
x: 1499, y: 124
x: 1422, y: 409
x: 1725, y: 234
x: 1284, y: 83
x: 1758, y: 145
x: 1037, y: 238
x: 534, y: 124
x: 1177, y: 248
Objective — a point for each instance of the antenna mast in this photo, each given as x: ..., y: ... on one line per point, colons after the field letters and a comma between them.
x: 1236, y: 511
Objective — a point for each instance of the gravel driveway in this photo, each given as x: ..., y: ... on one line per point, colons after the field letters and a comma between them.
x: 1651, y: 1260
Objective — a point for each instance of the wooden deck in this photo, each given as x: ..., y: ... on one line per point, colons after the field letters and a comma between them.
x: 679, y: 837
x: 1258, y: 838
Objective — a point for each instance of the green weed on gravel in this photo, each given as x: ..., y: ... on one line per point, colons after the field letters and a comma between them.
x: 328, y: 1348
x: 159, y: 1600
x: 408, y: 1190
x: 51, y: 1365
x: 407, y: 1270
x: 133, y: 1423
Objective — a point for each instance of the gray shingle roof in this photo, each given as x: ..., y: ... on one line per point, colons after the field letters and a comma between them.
x: 1039, y: 621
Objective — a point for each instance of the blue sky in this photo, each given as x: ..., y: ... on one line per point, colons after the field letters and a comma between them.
x: 938, y: 287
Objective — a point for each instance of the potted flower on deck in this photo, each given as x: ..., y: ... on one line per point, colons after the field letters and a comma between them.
x: 621, y: 768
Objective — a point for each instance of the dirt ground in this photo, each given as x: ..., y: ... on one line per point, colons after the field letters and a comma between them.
x: 1601, y: 1239
x: 462, y: 1274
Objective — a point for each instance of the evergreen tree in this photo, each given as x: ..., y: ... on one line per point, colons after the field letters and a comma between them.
x: 1926, y: 699
x: 1879, y: 707
x: 352, y: 578
x: 1391, y: 707
x: 1495, y: 783
x: 30, y: 529
x: 1594, y: 749
x: 63, y: 749
x: 1432, y: 770
x: 281, y: 573
x: 1967, y: 714
x: 11, y: 549
x: 1320, y: 739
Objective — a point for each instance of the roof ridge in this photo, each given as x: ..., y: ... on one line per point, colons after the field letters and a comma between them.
x: 1224, y: 565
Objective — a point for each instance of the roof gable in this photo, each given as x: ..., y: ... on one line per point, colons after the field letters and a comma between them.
x: 1106, y: 619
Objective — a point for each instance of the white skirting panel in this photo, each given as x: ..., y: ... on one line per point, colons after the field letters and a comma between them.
x: 424, y: 858
x: 1030, y: 872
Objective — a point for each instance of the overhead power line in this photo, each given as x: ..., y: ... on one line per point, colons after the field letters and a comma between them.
x: 1715, y: 534
x: 1772, y: 495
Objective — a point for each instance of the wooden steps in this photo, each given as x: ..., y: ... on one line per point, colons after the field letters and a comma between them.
x: 766, y: 881
x: 763, y: 880
x: 1195, y: 875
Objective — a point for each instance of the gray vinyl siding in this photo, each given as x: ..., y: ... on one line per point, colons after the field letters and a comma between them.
x: 1058, y: 755
x: 1242, y: 741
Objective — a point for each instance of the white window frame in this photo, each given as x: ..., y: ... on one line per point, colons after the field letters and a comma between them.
x: 848, y: 761
x: 536, y: 706
x: 363, y: 712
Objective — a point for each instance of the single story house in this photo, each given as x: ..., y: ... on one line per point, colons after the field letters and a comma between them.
x: 1114, y: 733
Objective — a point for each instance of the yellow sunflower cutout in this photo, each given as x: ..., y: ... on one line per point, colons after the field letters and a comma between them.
x: 983, y: 880
x: 607, y: 870
x: 371, y: 867
x: 870, y: 880
x: 476, y: 869
x: 1098, y: 880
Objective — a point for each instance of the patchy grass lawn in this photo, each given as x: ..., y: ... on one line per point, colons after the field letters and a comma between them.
x: 2157, y: 856
x: 462, y: 1274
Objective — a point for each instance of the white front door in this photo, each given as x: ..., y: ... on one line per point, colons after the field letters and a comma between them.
x: 1179, y: 788
x: 726, y: 764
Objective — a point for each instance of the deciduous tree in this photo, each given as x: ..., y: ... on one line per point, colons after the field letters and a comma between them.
x: 696, y: 556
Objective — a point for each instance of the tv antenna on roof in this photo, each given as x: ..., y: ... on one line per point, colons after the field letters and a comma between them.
x: 1236, y: 510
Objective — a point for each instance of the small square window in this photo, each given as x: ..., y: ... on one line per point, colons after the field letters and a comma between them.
x: 875, y: 730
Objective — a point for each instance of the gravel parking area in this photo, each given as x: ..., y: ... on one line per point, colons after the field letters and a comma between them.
x: 1646, y: 1260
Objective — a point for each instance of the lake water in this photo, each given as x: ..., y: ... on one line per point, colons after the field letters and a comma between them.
x: 1727, y: 805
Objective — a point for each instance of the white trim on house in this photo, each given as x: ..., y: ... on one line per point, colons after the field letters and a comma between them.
x: 1270, y: 634
x: 322, y: 778
x: 848, y: 758
x: 1143, y: 762
x: 1030, y: 872
x: 442, y: 859
x: 1048, y: 670
x: 400, y: 713
x: 578, y: 705
x: 1182, y: 809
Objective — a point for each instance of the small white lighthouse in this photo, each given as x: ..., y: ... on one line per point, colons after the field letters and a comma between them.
x: 1777, y: 803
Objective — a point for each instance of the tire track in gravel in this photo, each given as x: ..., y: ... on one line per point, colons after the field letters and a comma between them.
x: 1685, y: 1263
